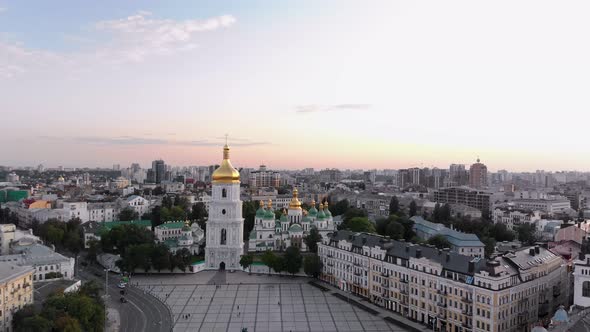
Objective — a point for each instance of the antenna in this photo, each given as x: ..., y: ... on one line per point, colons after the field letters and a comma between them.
x: 226, y: 135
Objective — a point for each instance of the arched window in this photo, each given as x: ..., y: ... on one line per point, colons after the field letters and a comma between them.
x: 224, y: 193
x: 223, y: 236
x: 586, y: 289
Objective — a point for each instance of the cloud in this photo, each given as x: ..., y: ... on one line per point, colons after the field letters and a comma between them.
x: 138, y: 36
x: 130, y: 140
x: 3, y: 9
x: 111, y: 42
x: 328, y: 108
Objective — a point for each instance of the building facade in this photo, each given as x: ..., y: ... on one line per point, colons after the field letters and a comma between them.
x: 178, y: 235
x: 461, y: 243
x: 445, y: 290
x: 264, y: 178
x: 474, y: 198
x: 225, y: 226
x: 478, y: 175
x: 16, y: 291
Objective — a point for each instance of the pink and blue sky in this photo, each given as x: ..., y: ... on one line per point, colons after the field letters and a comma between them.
x: 348, y: 84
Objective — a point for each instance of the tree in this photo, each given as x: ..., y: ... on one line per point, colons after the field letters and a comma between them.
x: 312, y: 239
x: 312, y: 265
x: 269, y: 258
x: 500, y: 232
x: 246, y: 262
x: 439, y: 241
x: 278, y: 264
x: 293, y: 260
x: 413, y: 208
x: 489, y: 246
x: 22, y: 314
x: 249, y: 213
x: 73, y: 241
x: 353, y: 213
x: 66, y: 323
x: 393, y: 205
x: 445, y: 213
x: 128, y: 214
x: 156, y: 217
x: 339, y: 208
x: 527, y: 233
x: 35, y: 323
x: 159, y: 191
x: 358, y: 224
x: 183, y: 203
x: 199, y: 213
x: 160, y: 257
x: 93, y: 250
x: 395, y: 230
x: 92, y: 289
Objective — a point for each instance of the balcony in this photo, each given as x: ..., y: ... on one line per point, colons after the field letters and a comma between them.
x: 442, y: 305
x: 467, y: 300
x: 441, y: 292
x: 442, y: 316
x: 357, y: 273
x: 385, y: 275
x: 330, y: 264
x: 403, y: 291
x: 330, y: 255
x: 466, y: 325
x: 404, y: 281
x: 357, y: 264
x: 385, y: 285
x: 467, y: 312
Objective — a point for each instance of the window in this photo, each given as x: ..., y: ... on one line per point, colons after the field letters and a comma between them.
x: 223, y: 236
x: 223, y: 193
x: 586, y: 289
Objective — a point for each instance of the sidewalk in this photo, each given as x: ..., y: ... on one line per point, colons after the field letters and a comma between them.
x: 113, y: 320
x: 387, y: 315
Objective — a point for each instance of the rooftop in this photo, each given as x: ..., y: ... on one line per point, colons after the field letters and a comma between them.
x: 9, y: 271
x: 455, y: 237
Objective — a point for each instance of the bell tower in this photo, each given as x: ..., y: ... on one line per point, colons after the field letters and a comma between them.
x: 225, y: 226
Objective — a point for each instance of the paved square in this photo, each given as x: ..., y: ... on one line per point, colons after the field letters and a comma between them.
x: 258, y: 303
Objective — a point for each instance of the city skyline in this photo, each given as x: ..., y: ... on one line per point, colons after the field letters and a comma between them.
x: 392, y: 85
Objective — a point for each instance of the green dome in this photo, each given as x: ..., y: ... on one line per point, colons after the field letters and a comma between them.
x: 284, y: 217
x: 327, y: 212
x: 269, y: 214
x: 313, y: 211
x: 321, y: 214
x: 306, y: 219
x: 295, y: 228
x: 260, y: 212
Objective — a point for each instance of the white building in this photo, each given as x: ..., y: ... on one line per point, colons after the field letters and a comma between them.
x: 178, y: 235
x: 137, y: 203
x: 47, y: 263
x: 454, y: 292
x: 512, y: 217
x: 225, y: 226
x: 582, y: 279
x: 102, y: 211
x: 174, y: 187
x: 76, y: 210
x: 550, y: 206
x: 10, y: 235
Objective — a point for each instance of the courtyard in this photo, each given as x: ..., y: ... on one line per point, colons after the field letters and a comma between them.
x: 224, y: 301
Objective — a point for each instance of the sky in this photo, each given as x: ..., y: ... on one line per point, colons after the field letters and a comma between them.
x: 345, y: 84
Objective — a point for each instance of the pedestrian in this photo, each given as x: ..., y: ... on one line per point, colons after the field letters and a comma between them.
x: 238, y: 307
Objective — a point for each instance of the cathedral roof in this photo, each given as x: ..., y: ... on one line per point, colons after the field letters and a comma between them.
x: 295, y: 204
x: 260, y: 212
x: 295, y: 228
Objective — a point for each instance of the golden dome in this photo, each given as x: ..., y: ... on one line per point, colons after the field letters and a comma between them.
x: 325, y: 204
x: 226, y: 173
x: 295, y: 204
x: 269, y: 206
x: 321, y: 206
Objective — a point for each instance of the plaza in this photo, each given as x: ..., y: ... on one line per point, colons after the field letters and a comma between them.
x: 224, y: 301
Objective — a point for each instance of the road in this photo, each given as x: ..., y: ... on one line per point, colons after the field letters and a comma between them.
x: 142, y: 312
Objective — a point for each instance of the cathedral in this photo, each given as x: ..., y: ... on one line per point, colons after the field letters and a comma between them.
x: 225, y: 226
x: 278, y: 233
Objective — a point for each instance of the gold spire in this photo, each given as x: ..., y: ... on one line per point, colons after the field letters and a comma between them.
x: 226, y: 173
x: 313, y: 203
x: 261, y: 204
x: 326, y: 204
x: 295, y: 204
x: 269, y: 205
x: 321, y: 206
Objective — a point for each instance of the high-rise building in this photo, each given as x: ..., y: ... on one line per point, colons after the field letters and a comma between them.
x: 158, y: 171
x: 225, y: 226
x: 458, y: 175
x: 478, y: 175
x: 264, y: 178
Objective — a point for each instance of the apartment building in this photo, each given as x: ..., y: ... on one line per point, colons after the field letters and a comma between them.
x: 47, y: 263
x: 102, y: 211
x: 511, y: 216
x: 550, y: 206
x: 474, y: 198
x: 16, y: 291
x: 446, y: 290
